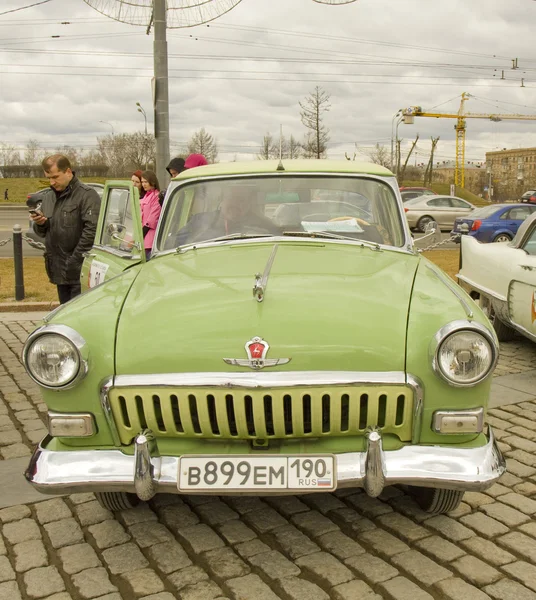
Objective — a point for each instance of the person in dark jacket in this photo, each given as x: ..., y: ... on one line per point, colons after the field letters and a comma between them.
x: 176, y: 166
x: 68, y: 221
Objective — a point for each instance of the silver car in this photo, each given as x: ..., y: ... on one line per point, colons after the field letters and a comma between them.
x: 442, y: 209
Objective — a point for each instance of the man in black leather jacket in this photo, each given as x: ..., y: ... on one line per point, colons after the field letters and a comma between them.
x: 67, y: 219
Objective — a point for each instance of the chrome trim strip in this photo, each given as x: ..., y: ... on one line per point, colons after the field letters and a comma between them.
x: 120, y: 253
x: 457, y: 292
x: 281, y: 238
x: 478, y: 413
x: 107, y: 409
x: 453, y: 327
x: 259, y: 289
x: 72, y: 336
x: 449, y: 466
x: 481, y: 290
x: 264, y: 380
x: 418, y: 406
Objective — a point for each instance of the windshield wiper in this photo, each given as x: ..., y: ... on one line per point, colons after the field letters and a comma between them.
x: 223, y: 238
x: 332, y: 236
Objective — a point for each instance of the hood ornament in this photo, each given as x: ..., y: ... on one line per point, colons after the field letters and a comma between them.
x: 256, y: 350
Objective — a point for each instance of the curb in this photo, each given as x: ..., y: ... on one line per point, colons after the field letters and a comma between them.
x: 28, y: 306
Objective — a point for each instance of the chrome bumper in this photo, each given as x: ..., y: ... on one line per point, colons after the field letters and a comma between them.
x: 146, y: 473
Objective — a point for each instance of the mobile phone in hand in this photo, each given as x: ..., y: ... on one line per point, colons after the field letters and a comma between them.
x: 35, y: 213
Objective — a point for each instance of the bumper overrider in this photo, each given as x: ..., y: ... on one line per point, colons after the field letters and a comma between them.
x: 147, y: 473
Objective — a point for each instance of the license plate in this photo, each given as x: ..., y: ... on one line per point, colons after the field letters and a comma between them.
x: 261, y: 473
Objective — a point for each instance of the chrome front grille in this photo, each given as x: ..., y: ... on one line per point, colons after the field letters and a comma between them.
x: 262, y: 414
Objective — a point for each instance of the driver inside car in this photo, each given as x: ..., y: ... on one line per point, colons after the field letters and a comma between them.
x: 238, y: 213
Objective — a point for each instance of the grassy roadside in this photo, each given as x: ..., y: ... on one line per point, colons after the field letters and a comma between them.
x: 19, y: 187
x: 38, y: 289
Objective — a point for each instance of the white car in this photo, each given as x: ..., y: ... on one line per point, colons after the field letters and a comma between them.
x: 502, y: 278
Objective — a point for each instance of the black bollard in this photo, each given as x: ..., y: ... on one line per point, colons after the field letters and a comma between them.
x: 17, y: 259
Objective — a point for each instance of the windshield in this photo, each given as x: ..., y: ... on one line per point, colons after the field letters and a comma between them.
x: 356, y: 208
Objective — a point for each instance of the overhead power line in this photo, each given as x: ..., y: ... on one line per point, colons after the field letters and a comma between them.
x: 24, y: 7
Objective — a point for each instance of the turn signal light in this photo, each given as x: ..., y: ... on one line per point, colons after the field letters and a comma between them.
x: 406, y: 209
x: 476, y: 224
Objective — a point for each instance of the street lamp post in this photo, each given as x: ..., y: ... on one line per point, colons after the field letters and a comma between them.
x: 392, y: 137
x: 396, y: 143
x: 140, y: 110
x: 106, y: 123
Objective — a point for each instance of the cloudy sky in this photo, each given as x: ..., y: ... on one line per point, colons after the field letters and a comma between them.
x: 65, y: 68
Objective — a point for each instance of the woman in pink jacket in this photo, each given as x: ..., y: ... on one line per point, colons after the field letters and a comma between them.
x: 150, y: 209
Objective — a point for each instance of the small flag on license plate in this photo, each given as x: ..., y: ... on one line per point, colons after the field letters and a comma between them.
x: 323, y: 482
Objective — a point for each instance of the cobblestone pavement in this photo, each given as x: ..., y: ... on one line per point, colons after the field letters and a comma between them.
x: 341, y: 546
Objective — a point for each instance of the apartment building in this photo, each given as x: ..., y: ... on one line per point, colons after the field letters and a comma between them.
x: 512, y: 172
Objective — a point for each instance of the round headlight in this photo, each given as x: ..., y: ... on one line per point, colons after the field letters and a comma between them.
x: 465, y: 357
x: 52, y: 360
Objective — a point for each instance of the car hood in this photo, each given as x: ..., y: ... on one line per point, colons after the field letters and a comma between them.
x: 326, y: 307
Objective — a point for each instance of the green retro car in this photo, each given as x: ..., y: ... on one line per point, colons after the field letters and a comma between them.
x: 285, y: 337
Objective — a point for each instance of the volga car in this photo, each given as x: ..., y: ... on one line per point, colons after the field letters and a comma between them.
x: 285, y: 337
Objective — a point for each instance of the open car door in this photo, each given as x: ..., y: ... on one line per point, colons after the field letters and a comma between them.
x: 119, y: 238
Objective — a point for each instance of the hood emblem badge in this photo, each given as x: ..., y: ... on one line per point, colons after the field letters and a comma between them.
x: 256, y: 350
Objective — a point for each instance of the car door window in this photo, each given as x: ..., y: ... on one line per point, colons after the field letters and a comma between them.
x: 518, y: 214
x: 118, y: 228
x: 530, y: 243
x: 457, y: 203
x: 440, y: 202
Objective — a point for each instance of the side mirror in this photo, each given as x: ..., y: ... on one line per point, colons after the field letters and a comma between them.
x: 115, y: 228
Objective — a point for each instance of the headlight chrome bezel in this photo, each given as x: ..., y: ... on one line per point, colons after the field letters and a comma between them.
x: 72, y: 337
x: 456, y: 327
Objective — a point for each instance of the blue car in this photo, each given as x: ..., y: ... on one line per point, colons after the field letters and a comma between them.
x: 494, y: 223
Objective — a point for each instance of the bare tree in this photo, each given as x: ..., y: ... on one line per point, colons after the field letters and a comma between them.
x: 70, y: 152
x: 312, y: 111
x: 379, y: 155
x: 203, y: 143
x: 430, y: 166
x: 269, y: 148
x: 32, y: 152
x: 9, y: 155
x: 127, y: 152
x: 403, y: 171
x: 294, y: 148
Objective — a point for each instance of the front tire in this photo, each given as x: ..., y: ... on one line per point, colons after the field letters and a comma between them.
x: 423, y: 222
x: 115, y: 501
x: 436, y: 500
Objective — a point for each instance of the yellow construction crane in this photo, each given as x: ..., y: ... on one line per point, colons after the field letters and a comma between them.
x: 460, y: 127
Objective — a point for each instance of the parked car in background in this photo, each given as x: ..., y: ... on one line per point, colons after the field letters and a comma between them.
x: 98, y: 187
x: 408, y: 193
x: 502, y: 279
x: 529, y: 196
x: 291, y: 343
x: 442, y: 209
x: 494, y: 223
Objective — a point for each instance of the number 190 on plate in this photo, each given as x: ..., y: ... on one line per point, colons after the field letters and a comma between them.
x: 262, y: 473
